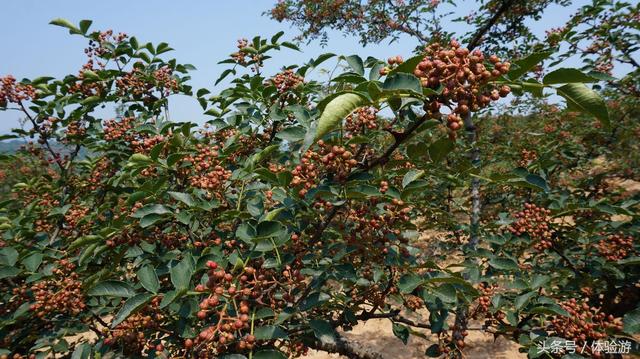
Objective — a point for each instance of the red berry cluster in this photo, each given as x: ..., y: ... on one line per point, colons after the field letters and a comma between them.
x: 146, y: 144
x: 527, y: 157
x: 335, y: 160
x: 585, y: 324
x: 361, y: 119
x: 240, y: 56
x: 393, y: 62
x: 87, y: 88
x: 141, y: 84
x: 130, y: 334
x: 370, y: 229
x: 244, y: 57
x: 74, y: 129
x: 61, y: 294
x: 209, y: 174
x: 230, y: 300
x: 13, y: 92
x: 484, y: 301
x: 384, y: 187
x: 616, y: 246
x: 536, y: 222
x: 286, y: 81
x: 99, y: 47
x: 115, y: 130
x: 452, y: 344
x: 413, y: 302
x: 463, y: 77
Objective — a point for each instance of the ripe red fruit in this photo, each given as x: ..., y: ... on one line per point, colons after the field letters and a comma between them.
x: 212, y: 264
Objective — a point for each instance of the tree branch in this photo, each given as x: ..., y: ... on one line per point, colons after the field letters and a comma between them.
x: 346, y: 348
x: 477, y: 37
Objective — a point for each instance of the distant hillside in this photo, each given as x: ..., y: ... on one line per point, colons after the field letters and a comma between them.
x: 11, y: 146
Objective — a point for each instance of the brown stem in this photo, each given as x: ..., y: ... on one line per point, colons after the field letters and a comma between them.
x: 477, y: 37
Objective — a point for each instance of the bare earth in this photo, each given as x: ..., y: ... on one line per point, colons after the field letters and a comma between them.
x: 376, y: 335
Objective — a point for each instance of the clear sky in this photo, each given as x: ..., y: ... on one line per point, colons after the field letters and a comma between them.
x: 202, y: 32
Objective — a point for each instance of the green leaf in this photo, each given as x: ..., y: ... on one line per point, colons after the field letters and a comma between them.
x: 323, y: 331
x: 523, y: 299
x: 409, y: 282
x: 567, y: 75
x: 411, y: 176
x: 8, y: 271
x: 111, y: 288
x: 292, y: 134
x: 183, y: 197
x: 8, y: 256
x: 148, y: 278
x: 269, y: 354
x: 66, y: 24
x: 181, y: 274
x: 139, y: 158
x: 503, y: 264
x: 151, y: 209
x: 582, y: 98
x: 82, y: 351
x: 433, y: 351
x: 336, y: 110
x: 526, y: 64
x: 401, y: 332
x: 130, y: 306
x: 631, y: 321
x: 269, y: 332
x: 84, y: 25
x: 537, y: 181
x: 408, y: 66
x: 402, y: 82
x: 149, y: 220
x: 440, y: 149
x: 268, y: 229
x: 355, y: 62
x: 446, y: 292
x: 32, y: 262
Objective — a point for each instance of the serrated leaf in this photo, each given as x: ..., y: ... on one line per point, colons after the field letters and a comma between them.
x: 130, y: 306
x: 582, y: 98
x: 526, y: 64
x: 157, y: 209
x: 631, y: 321
x: 323, y: 331
x: 523, y: 299
x: 33, y: 261
x: 401, y: 332
x: 567, y: 75
x: 402, y: 82
x: 181, y: 274
x: 148, y: 278
x: 411, y: 176
x: 503, y: 264
x: 183, y: 197
x: 440, y: 149
x: 111, y: 288
x: 409, y: 282
x: 73, y: 29
x: 336, y: 110
x: 269, y: 332
x: 355, y: 62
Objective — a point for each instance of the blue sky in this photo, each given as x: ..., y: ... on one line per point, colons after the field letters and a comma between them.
x: 201, y: 32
